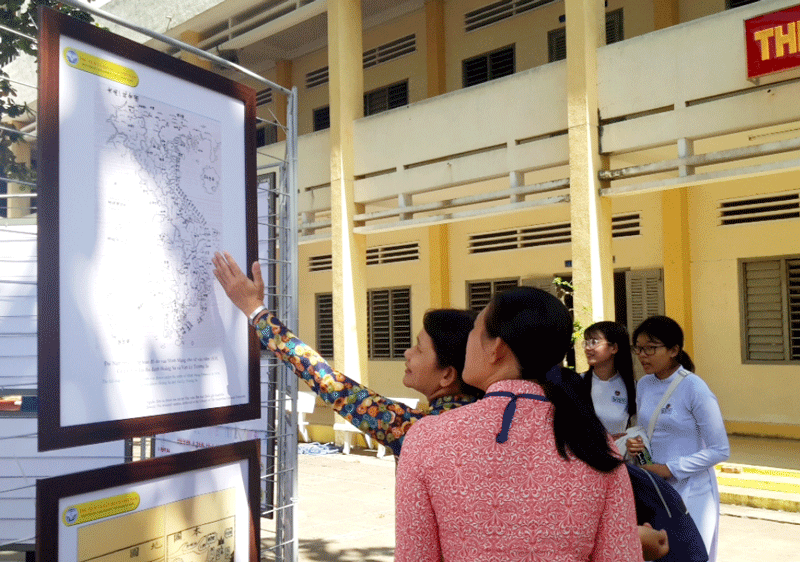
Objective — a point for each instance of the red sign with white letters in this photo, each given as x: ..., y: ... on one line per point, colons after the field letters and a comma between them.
x: 773, y: 43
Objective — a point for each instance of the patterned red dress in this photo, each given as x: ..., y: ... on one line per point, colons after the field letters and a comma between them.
x: 462, y: 496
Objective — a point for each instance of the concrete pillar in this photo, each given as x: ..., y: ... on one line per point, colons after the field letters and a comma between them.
x: 438, y: 235
x: 590, y: 214
x: 193, y: 38
x: 346, y: 84
x: 283, y: 77
x: 676, y: 249
x: 665, y: 13
x: 434, y: 38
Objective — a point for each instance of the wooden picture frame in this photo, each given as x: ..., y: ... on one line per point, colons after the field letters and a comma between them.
x: 200, y: 502
x: 146, y: 168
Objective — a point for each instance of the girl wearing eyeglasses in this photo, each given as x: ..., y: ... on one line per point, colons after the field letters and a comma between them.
x: 609, y: 380
x: 689, y: 435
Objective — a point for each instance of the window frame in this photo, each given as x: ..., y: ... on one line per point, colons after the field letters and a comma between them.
x: 324, y: 325
x: 396, y: 348
x: 786, y: 303
x: 487, y: 56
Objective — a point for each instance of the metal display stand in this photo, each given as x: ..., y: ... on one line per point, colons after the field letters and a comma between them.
x: 278, y: 254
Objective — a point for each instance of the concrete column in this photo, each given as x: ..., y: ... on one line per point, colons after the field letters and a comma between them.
x: 676, y: 249
x: 193, y: 38
x: 434, y: 38
x: 665, y: 13
x: 346, y: 84
x: 283, y: 77
x: 438, y: 235
x: 590, y: 214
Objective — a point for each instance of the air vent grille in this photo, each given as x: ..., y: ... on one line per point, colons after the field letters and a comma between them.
x: 545, y: 235
x: 392, y: 254
x: 320, y: 263
x: 317, y: 77
x: 628, y: 224
x: 498, y: 11
x: 264, y: 97
x: 760, y: 209
x: 390, y: 51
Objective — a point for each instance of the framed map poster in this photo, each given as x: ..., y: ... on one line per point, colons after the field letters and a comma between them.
x: 146, y: 168
x: 195, y: 506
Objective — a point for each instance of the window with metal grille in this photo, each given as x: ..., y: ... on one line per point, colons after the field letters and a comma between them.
x: 479, y: 293
x: 498, y: 11
x: 760, y: 209
x: 557, y: 38
x: 266, y: 134
x: 770, y: 309
x: 392, y: 254
x: 628, y: 224
x: 325, y: 324
x: 317, y: 77
x: 614, y: 27
x: 388, y: 97
x: 388, y: 322
x: 323, y: 262
x: 322, y: 118
x: 736, y: 3
x: 488, y: 66
x: 390, y: 51
x: 557, y: 44
x: 526, y: 237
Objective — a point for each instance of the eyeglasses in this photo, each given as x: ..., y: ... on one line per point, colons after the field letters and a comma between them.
x: 646, y: 349
x: 592, y: 343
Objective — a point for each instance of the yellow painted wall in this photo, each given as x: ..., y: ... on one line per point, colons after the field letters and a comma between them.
x: 309, y: 99
x: 747, y: 392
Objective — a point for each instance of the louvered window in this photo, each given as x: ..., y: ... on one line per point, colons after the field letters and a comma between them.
x: 325, y: 324
x: 388, y: 323
x: 498, y: 11
x: 760, y: 209
x: 736, y: 3
x: 479, y: 293
x: 323, y: 262
x: 392, y: 254
x: 628, y: 224
x: 386, y: 98
x: 557, y: 38
x: 488, y: 66
x: 644, y: 295
x: 317, y: 77
x: 528, y: 237
x: 771, y: 310
x: 322, y: 118
x: 390, y: 51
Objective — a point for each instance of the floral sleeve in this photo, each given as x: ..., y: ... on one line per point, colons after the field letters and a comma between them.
x: 384, y: 419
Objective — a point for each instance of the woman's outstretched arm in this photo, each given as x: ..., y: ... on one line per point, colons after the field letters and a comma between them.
x: 383, y: 419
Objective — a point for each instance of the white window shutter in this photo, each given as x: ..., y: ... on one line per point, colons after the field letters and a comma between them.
x: 645, y: 295
x: 763, y: 322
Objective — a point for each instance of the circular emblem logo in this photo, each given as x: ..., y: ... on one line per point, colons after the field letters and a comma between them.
x: 71, y: 516
x: 72, y: 57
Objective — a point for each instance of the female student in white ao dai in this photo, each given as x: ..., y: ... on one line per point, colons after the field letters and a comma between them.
x: 689, y: 436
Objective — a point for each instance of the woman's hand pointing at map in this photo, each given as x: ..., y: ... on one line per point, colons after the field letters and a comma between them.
x: 247, y: 295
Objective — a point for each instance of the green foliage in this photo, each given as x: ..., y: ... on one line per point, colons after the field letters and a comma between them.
x: 565, y: 288
x: 20, y: 15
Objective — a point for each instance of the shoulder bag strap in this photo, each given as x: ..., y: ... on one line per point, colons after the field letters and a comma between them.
x: 679, y: 376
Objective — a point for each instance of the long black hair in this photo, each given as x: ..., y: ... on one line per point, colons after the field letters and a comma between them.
x: 537, y: 327
x: 616, y: 334
x: 668, y: 332
x: 449, y: 330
